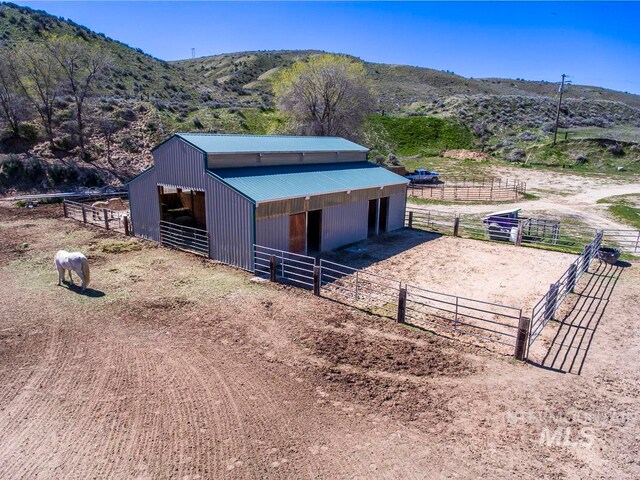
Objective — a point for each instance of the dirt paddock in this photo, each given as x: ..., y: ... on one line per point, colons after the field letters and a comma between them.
x: 172, y: 366
x: 493, y: 272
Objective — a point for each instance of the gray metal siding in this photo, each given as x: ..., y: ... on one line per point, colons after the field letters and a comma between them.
x: 180, y: 165
x: 145, y: 206
x: 397, y: 206
x: 273, y: 232
x: 230, y: 216
x: 344, y: 224
x: 230, y: 224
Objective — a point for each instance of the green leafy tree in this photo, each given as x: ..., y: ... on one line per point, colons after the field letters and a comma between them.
x: 326, y: 95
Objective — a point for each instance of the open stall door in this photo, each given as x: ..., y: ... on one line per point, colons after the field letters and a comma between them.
x: 372, y: 217
x: 314, y: 230
x: 384, y: 214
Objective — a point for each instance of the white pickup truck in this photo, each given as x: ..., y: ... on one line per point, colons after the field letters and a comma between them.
x: 422, y: 175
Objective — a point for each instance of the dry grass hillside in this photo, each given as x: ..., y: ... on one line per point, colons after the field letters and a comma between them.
x: 144, y: 99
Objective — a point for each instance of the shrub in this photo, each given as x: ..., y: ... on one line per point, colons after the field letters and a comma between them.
x: 11, y: 166
x: 28, y: 132
x: 66, y: 143
x: 615, y: 150
x: 128, y: 115
x: 33, y: 170
x: 56, y: 174
x: 92, y: 179
x: 131, y: 145
x: 516, y: 155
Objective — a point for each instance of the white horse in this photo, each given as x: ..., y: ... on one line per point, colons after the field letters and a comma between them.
x: 76, y: 261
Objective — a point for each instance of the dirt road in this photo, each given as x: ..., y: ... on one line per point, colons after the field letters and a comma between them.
x: 175, y: 367
x: 562, y: 195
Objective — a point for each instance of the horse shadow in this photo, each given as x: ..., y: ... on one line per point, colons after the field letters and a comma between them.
x: 88, y: 292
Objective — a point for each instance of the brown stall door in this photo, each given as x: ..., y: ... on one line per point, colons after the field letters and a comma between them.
x: 297, y: 233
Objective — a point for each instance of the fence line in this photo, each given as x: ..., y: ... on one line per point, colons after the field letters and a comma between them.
x: 100, y: 217
x: 392, y: 298
x: 552, y: 300
x: 294, y: 268
x: 537, y: 232
x: 465, y: 189
x: 192, y: 239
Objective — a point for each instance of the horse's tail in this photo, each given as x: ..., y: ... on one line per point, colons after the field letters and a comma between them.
x: 85, y: 271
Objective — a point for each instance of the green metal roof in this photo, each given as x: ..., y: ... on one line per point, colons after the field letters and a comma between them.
x: 263, y: 184
x: 219, y: 143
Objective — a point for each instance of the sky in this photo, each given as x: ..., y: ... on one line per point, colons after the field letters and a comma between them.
x: 595, y: 43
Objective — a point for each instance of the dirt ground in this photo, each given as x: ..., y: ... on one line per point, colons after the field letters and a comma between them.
x: 172, y: 366
x: 488, y: 271
x: 562, y: 195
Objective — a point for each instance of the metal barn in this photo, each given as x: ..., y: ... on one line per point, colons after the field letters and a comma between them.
x: 220, y: 195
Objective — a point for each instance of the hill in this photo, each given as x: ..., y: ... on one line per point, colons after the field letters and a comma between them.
x: 143, y: 99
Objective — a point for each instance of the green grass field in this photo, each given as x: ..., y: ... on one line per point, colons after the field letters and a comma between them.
x: 407, y: 136
x: 625, y: 208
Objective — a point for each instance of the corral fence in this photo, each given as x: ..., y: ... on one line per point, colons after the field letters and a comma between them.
x: 100, y: 217
x: 474, y: 189
x: 195, y: 240
x: 393, y: 298
x: 543, y: 232
x: 552, y: 300
x: 627, y: 240
x: 276, y: 264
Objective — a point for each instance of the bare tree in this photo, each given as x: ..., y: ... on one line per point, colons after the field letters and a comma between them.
x: 12, y: 104
x: 40, y: 81
x: 326, y: 95
x: 107, y: 127
x: 82, y: 66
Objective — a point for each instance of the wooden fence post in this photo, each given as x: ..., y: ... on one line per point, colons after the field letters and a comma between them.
x: 106, y: 218
x: 456, y: 226
x: 402, y: 304
x: 316, y: 280
x: 522, y: 338
x: 84, y: 215
x: 410, y: 220
x: 125, y: 222
x: 272, y: 268
x: 64, y: 209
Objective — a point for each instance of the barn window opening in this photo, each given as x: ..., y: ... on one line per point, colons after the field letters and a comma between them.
x: 183, y: 207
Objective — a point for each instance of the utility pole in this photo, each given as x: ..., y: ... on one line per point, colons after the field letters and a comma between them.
x: 193, y: 53
x: 555, y: 130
